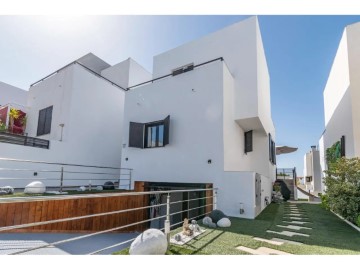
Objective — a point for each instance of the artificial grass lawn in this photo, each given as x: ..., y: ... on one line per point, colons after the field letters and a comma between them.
x: 329, y: 234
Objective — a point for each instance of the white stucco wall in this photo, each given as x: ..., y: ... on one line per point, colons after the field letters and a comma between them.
x: 354, y: 71
x: 194, y: 102
x: 338, y: 81
x: 12, y: 94
x: 241, y: 47
x: 92, y: 111
x: 341, y: 124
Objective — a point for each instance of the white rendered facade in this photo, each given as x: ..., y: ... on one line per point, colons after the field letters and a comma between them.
x: 12, y: 94
x: 86, y: 125
x: 342, y: 97
x: 312, y: 171
x: 210, y: 108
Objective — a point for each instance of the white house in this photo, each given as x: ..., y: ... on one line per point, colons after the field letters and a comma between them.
x: 78, y: 112
x: 205, y: 118
x: 312, y: 171
x: 342, y: 99
x: 12, y: 94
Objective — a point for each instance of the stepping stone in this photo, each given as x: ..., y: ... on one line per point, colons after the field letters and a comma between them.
x: 296, y: 222
x: 262, y: 251
x: 288, y: 233
x: 286, y: 241
x: 296, y: 218
x: 293, y: 227
x: 273, y: 242
x: 297, y: 215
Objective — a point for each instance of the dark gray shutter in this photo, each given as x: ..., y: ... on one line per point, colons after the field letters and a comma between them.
x: 48, y: 118
x: 270, y: 148
x: 274, y: 152
x: 41, y: 122
x: 136, y: 135
x: 166, y: 130
x: 342, y: 146
x: 248, y: 141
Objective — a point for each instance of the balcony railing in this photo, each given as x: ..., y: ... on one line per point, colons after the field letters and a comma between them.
x: 6, y: 137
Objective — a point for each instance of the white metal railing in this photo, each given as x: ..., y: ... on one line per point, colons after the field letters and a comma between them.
x: 167, y: 223
x: 60, y: 176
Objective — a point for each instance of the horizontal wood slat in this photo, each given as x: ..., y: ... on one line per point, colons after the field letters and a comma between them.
x: 27, y: 212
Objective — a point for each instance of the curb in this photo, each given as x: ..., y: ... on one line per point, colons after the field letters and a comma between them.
x: 348, y: 222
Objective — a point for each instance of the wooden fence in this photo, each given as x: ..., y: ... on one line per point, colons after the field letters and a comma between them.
x: 16, y: 213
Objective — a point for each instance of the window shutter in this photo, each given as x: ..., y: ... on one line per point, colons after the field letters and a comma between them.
x: 48, y: 118
x: 136, y: 135
x: 166, y: 130
x: 41, y: 122
x: 248, y: 141
x: 270, y: 148
x: 342, y: 146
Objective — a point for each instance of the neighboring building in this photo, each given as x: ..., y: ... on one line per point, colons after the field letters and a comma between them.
x: 312, y: 171
x: 74, y: 116
x: 12, y: 94
x: 207, y: 120
x: 342, y: 99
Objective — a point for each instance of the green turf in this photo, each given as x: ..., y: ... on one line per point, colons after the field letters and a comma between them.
x: 329, y: 234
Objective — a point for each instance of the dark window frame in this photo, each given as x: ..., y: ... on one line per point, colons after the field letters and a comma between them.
x: 248, y: 140
x: 272, y: 151
x: 138, y: 133
x: 156, y: 124
x: 45, y: 121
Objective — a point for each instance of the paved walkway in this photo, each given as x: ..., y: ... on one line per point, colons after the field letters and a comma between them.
x: 13, y: 242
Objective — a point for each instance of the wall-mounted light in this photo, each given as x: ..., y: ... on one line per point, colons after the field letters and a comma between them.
x: 242, y: 211
x: 209, y: 161
x: 124, y: 145
x: 126, y: 159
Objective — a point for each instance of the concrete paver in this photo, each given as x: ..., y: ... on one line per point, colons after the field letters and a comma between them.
x: 288, y: 233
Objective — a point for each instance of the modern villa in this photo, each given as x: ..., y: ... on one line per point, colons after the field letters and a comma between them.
x: 341, y: 100
x: 202, y: 119
x: 205, y: 119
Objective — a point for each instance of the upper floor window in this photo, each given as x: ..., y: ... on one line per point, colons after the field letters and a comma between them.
x: 149, y: 135
x: 44, y: 122
x: 272, y: 151
x: 248, y: 141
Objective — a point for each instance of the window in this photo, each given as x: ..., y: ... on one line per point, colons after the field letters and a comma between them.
x: 248, y: 141
x: 149, y: 135
x: 154, y: 135
x: 44, y: 122
x: 342, y: 146
x: 183, y: 69
x: 272, y: 150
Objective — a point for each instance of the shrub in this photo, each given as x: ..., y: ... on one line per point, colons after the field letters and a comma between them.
x: 342, y: 180
x: 285, y: 191
x: 324, y: 201
x: 358, y: 221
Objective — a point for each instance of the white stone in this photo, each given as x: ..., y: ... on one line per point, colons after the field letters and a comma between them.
x: 273, y: 242
x: 150, y: 242
x: 294, y: 227
x: 35, y: 188
x: 207, y: 221
x: 99, y: 188
x: 7, y: 189
x: 224, y: 223
x: 82, y: 188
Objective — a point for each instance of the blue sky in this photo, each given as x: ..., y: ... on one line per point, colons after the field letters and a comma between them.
x: 299, y: 51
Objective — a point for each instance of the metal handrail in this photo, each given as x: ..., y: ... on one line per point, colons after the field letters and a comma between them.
x: 167, y: 216
x: 171, y: 74
x: 60, y: 164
